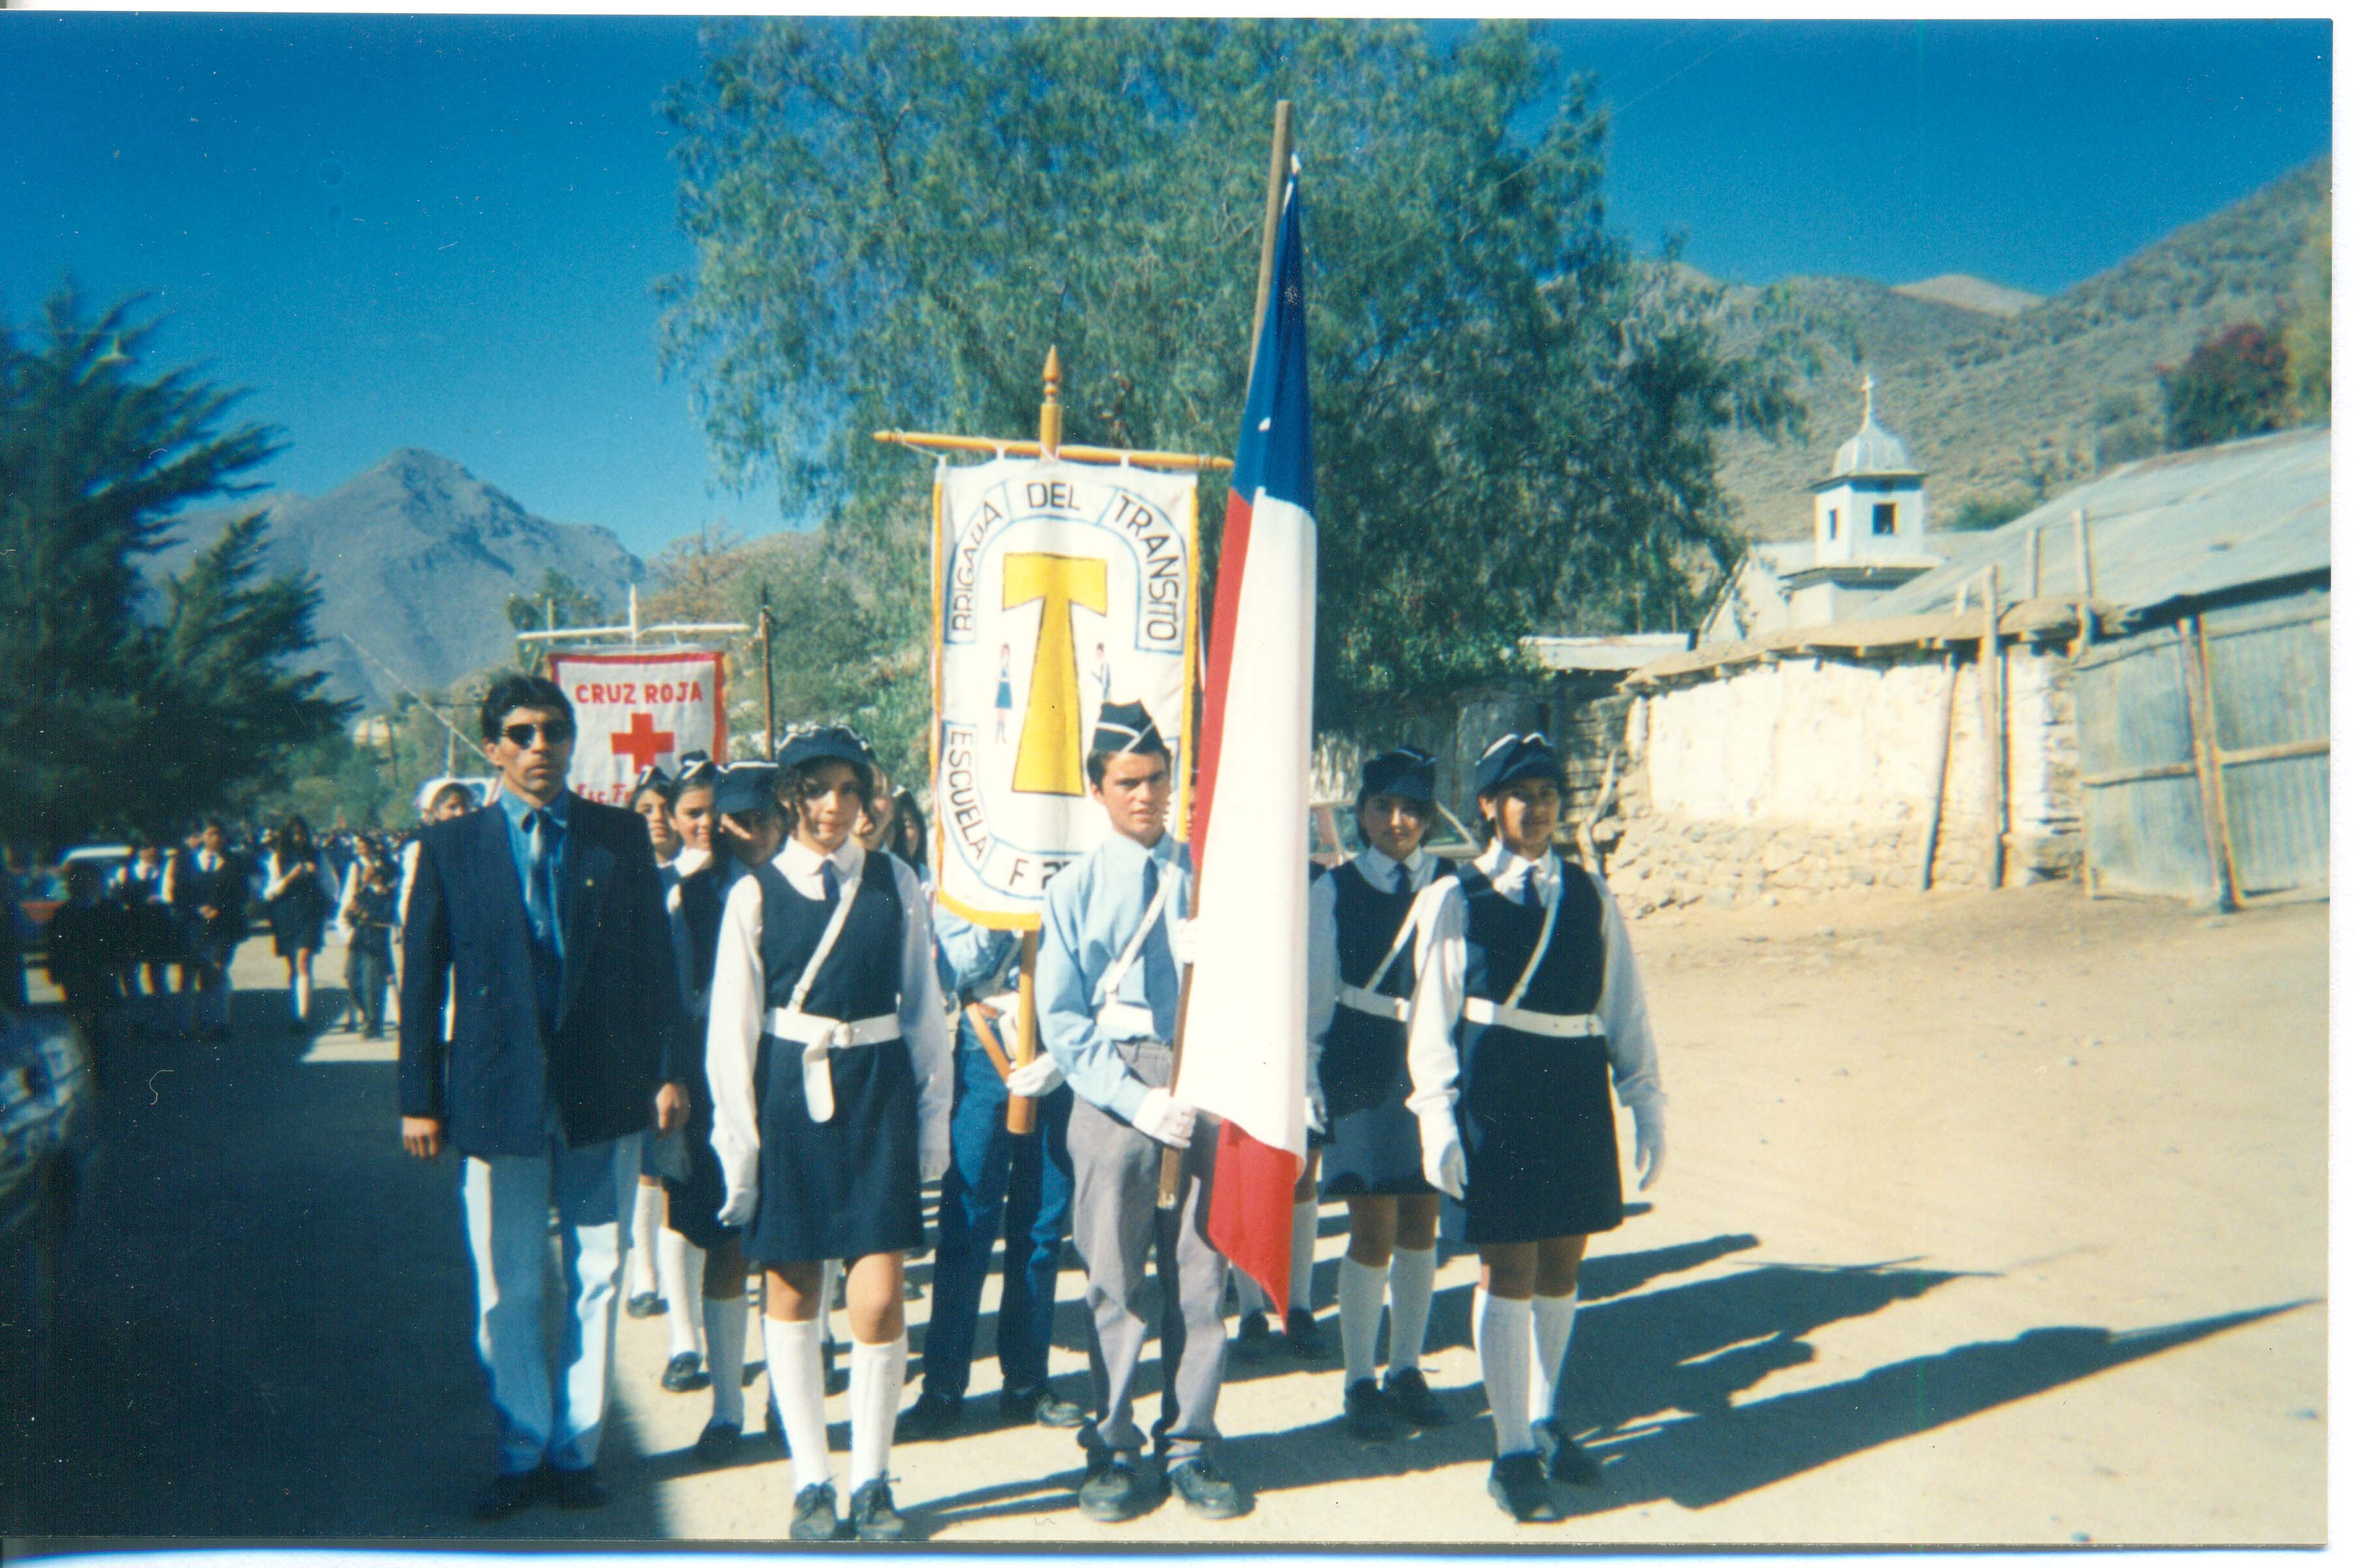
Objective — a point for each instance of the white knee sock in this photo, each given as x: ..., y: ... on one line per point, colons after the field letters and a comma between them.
x: 1501, y: 1332
x: 1552, y: 1320
x: 680, y: 1268
x: 1361, y: 1301
x: 646, y: 1218
x: 724, y: 1336
x: 1304, y: 1252
x: 1249, y: 1297
x: 799, y: 1382
x: 877, y: 1373
x: 1411, y: 1274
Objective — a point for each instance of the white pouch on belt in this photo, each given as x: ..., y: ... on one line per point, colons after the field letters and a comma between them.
x: 818, y: 1037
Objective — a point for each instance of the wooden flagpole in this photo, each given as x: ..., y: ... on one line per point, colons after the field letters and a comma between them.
x: 1022, y: 1113
x: 1279, y: 170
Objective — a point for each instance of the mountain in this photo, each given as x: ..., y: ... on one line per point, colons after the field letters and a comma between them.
x: 1993, y: 399
x: 416, y: 559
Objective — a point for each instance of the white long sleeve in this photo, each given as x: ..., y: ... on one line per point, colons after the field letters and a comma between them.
x: 923, y: 1020
x: 1627, y: 1026
x: 1438, y: 999
x: 1325, y: 967
x: 732, y: 1040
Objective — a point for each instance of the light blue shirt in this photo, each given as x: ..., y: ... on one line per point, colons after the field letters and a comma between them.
x: 971, y: 960
x: 1093, y: 908
x: 520, y: 845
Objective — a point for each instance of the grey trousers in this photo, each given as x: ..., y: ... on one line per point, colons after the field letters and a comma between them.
x: 1116, y: 1179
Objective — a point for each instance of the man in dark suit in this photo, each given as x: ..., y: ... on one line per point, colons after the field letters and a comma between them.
x: 541, y: 1034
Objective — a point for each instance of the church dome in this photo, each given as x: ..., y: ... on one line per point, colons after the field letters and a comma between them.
x: 1873, y: 450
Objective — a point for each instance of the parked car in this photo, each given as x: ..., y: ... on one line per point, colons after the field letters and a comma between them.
x: 49, y: 1142
x: 43, y: 891
x: 1332, y: 830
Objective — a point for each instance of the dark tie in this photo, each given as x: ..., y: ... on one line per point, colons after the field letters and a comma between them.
x: 1157, y: 940
x: 1398, y: 880
x: 830, y: 882
x: 540, y: 886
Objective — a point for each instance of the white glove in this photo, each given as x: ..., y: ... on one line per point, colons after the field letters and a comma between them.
x: 1037, y: 1077
x: 933, y: 1159
x: 738, y: 1210
x: 1443, y: 1156
x: 1316, y: 1107
x: 1651, y: 1142
x: 1164, y: 1120
x: 1182, y: 942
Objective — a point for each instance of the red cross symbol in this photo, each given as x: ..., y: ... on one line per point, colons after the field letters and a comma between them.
x: 642, y: 743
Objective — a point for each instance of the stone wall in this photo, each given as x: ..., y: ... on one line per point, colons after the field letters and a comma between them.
x: 1813, y: 773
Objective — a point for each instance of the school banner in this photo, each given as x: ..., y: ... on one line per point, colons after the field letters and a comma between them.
x: 1058, y: 588
x: 639, y: 707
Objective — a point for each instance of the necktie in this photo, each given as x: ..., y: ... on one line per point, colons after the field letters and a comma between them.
x: 1398, y: 880
x: 830, y: 882
x: 541, y: 886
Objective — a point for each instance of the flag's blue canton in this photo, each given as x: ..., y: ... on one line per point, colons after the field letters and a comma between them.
x: 1273, y: 452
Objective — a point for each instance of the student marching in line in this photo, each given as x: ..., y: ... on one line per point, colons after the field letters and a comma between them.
x: 206, y: 887
x: 368, y: 915
x: 650, y: 1293
x: 1363, y: 959
x: 298, y: 905
x: 1527, y: 1012
x: 825, y: 967
x: 1107, y: 997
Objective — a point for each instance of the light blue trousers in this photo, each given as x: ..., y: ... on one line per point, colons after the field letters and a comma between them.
x: 559, y: 1418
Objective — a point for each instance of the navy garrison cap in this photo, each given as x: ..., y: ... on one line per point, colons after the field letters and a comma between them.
x: 652, y: 777
x: 745, y: 787
x: 821, y: 742
x: 1126, y: 727
x: 696, y: 772
x: 1513, y: 758
x: 1406, y: 773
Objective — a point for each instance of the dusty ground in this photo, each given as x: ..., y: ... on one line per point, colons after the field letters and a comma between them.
x: 1987, y: 1219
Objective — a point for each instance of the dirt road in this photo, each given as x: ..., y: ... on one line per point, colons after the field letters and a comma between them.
x: 1987, y: 1219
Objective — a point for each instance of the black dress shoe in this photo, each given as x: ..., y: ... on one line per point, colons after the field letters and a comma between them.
x: 1252, y: 1338
x: 1300, y: 1335
x: 1413, y: 1402
x: 1518, y: 1482
x: 1205, y: 1492
x: 577, y: 1488
x: 718, y: 1441
x: 685, y: 1374
x: 1040, y: 1405
x: 508, y: 1494
x: 933, y: 1415
x: 1366, y: 1415
x: 1566, y: 1461
x: 645, y: 1303
x: 873, y: 1516
x: 814, y: 1516
x: 1116, y: 1489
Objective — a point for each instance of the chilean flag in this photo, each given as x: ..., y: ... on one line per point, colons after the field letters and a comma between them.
x: 1245, y: 1058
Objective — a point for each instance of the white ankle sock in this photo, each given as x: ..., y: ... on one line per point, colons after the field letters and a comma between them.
x: 644, y: 1218
x: 679, y: 1269
x: 1412, y: 1273
x: 724, y: 1336
x: 798, y: 1383
x: 877, y: 1373
x: 1502, y: 1330
x: 1361, y: 1296
x: 1305, y: 1253
x: 1552, y: 1320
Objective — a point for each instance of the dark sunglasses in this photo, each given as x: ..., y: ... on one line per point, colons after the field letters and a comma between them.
x: 559, y: 732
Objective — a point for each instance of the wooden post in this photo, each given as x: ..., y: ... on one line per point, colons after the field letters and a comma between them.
x: 2029, y: 564
x: 1992, y: 723
x: 768, y: 686
x: 2201, y: 711
x: 1938, y: 775
x: 1279, y: 170
x: 1022, y: 1113
x: 2086, y: 579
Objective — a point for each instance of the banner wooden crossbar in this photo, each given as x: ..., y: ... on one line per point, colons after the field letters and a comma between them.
x: 1112, y: 455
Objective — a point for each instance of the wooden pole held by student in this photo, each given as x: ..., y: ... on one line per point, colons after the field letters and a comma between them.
x: 1022, y: 1113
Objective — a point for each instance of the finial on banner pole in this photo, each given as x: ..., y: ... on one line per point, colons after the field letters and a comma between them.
x: 1051, y: 408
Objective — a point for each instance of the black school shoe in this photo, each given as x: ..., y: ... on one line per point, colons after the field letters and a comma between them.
x: 1566, y: 1461
x: 508, y: 1494
x: 1366, y: 1413
x: 685, y: 1373
x: 814, y: 1516
x: 718, y: 1440
x: 1252, y: 1338
x: 577, y: 1488
x: 932, y: 1416
x: 645, y: 1303
x: 873, y: 1516
x: 1041, y: 1406
x: 1518, y: 1482
x: 1118, y: 1489
x: 1300, y: 1335
x: 1412, y: 1400
x: 1205, y: 1492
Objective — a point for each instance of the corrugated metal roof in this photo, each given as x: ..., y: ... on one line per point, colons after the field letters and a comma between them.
x: 2181, y: 526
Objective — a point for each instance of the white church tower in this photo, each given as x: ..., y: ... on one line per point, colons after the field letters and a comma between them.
x: 1868, y: 527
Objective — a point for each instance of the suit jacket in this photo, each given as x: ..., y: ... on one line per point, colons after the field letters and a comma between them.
x: 492, y: 1073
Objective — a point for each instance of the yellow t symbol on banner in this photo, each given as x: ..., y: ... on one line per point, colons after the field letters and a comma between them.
x: 1047, y: 762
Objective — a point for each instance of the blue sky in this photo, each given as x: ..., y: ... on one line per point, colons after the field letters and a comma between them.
x: 440, y: 231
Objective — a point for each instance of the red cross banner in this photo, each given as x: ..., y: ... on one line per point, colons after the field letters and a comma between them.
x: 1059, y: 587
x: 639, y: 707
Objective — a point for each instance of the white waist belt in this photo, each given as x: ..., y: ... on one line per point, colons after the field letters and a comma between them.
x: 1358, y: 999
x: 1007, y: 1003
x: 1562, y: 1026
x: 817, y: 1036
x: 1126, y: 1021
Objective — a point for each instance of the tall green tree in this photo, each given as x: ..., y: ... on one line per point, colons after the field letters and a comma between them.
x: 103, y: 718
x: 893, y: 220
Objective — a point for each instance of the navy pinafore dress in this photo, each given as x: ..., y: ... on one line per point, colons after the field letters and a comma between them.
x: 1375, y: 1147
x: 1541, y: 1144
x: 695, y: 1202
x: 846, y: 1186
